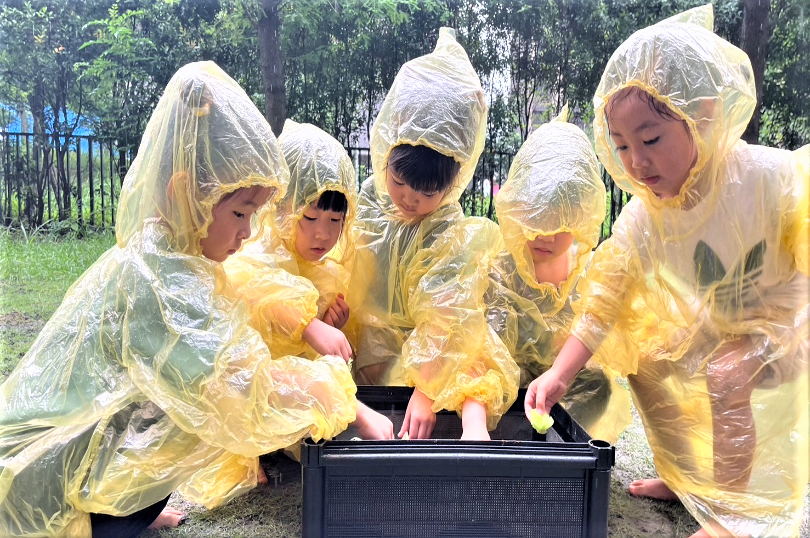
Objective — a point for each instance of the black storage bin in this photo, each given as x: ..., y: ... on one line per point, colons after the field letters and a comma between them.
x: 512, y: 486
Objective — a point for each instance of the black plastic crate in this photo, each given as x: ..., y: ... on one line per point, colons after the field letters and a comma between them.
x: 557, y: 488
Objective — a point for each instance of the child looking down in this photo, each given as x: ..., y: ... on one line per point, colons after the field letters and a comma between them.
x: 417, y: 314
x: 149, y: 377
x: 550, y: 212
x: 700, y: 296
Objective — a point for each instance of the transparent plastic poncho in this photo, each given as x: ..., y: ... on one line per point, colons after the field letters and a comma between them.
x: 415, y: 291
x: 723, y: 265
x: 553, y: 186
x: 148, y: 378
x: 286, y: 292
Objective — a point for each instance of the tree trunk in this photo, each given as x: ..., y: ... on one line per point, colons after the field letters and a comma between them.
x: 275, y: 94
x: 755, y: 34
x: 42, y: 148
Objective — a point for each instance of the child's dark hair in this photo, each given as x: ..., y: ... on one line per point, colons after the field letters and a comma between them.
x: 423, y: 169
x: 333, y: 201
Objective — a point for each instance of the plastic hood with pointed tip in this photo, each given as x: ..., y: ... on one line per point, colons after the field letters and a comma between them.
x: 554, y: 186
x: 704, y: 286
x: 148, y: 378
x: 416, y: 307
x: 266, y: 271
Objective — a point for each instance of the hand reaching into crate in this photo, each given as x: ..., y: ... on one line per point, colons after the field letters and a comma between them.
x: 372, y: 425
x: 419, y: 418
x: 547, y: 389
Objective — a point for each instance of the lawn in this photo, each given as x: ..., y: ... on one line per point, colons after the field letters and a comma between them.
x: 36, y: 273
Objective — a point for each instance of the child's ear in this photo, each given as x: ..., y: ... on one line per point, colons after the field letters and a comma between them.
x: 178, y: 194
x: 178, y: 186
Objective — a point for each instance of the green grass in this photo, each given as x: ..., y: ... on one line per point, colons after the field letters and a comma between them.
x: 35, y: 273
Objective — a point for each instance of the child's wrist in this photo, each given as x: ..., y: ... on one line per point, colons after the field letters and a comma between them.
x: 473, y: 413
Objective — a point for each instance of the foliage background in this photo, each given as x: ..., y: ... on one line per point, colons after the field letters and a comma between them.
x: 109, y: 61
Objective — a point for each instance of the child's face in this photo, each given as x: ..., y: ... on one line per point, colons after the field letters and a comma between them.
x: 656, y: 150
x: 413, y: 204
x: 231, y: 224
x: 545, y: 248
x: 318, y: 232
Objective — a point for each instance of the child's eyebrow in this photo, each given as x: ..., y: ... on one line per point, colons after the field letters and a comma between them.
x: 646, y: 125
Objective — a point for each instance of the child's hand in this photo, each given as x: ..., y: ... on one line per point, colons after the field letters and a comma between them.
x: 327, y: 340
x: 419, y: 418
x: 338, y: 313
x: 372, y: 425
x: 543, y: 393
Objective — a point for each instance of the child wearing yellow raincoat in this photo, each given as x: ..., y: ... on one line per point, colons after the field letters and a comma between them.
x: 149, y: 377
x: 550, y: 213
x: 416, y: 305
x: 306, y: 235
x: 294, y: 275
x: 700, y: 296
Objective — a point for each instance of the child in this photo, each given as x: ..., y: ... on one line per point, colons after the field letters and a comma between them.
x: 550, y: 213
x: 700, y: 296
x: 417, y: 312
x: 149, y: 378
x: 304, y: 246
x: 304, y: 236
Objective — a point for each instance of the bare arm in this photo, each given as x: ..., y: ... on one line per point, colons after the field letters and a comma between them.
x: 547, y: 389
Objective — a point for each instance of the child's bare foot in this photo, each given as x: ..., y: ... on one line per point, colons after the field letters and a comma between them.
x: 262, y: 476
x: 169, y: 517
x: 654, y: 488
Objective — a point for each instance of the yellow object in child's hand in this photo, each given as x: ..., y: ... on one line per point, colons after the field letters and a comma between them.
x: 540, y: 421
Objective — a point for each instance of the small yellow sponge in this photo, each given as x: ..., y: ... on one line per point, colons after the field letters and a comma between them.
x: 540, y: 421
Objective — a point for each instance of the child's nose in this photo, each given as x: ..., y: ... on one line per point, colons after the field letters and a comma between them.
x: 321, y: 233
x: 640, y: 159
x: 244, y: 230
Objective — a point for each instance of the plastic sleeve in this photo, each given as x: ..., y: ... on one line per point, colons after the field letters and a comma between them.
x: 452, y: 354
x: 192, y: 352
x: 281, y: 304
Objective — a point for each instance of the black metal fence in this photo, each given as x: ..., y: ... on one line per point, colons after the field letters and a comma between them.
x: 74, y: 182
x: 59, y: 180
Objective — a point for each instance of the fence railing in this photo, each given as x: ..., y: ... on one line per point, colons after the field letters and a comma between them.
x: 75, y: 181
x: 55, y: 178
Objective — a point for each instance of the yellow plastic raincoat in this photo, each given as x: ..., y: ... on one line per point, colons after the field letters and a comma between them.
x: 722, y: 265
x: 286, y: 292
x: 149, y: 378
x: 416, y: 294
x: 554, y: 186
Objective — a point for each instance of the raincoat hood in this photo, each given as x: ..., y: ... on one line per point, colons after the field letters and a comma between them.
x: 205, y: 139
x: 706, y: 289
x: 436, y: 101
x: 284, y: 291
x: 149, y: 377
x: 703, y: 79
x: 318, y: 163
x: 553, y: 186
